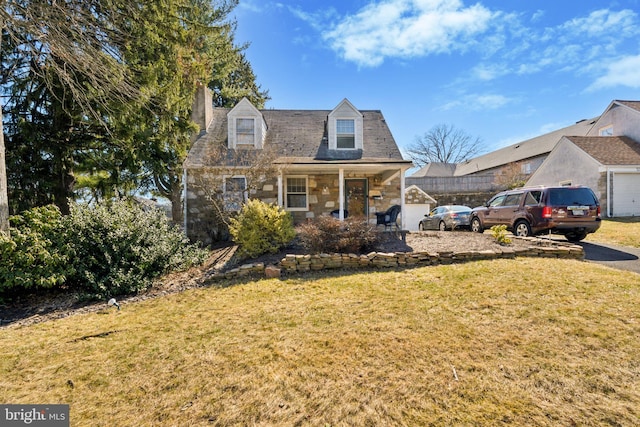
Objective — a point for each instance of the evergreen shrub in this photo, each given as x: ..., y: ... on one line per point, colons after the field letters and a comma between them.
x: 261, y: 228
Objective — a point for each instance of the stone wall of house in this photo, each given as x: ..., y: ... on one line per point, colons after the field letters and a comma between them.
x: 203, y: 227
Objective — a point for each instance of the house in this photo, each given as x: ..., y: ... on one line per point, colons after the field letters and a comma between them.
x: 607, y: 159
x: 338, y: 162
x: 599, y: 153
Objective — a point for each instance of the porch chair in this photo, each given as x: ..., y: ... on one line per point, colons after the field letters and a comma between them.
x: 389, y: 217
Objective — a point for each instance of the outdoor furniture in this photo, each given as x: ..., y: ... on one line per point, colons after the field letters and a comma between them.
x: 336, y: 213
x: 389, y: 217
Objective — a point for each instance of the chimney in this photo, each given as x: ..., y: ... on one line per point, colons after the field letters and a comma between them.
x: 202, y: 110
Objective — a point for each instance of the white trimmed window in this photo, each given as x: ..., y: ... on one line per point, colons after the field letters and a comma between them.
x: 245, y: 132
x: 234, y: 192
x: 606, y: 131
x: 296, y: 193
x: 345, y: 134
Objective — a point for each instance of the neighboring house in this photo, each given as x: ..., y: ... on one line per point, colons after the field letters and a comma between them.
x: 606, y: 161
x: 321, y: 162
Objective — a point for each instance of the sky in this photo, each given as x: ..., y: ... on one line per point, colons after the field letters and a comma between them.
x: 502, y: 71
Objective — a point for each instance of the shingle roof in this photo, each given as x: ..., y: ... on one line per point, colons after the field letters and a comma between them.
x: 609, y: 150
x: 533, y: 147
x: 631, y: 104
x: 436, y: 169
x: 301, y: 136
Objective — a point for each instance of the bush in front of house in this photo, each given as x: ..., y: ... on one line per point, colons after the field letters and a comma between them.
x: 35, y: 254
x: 261, y: 228
x: 327, y: 234
x: 120, y: 247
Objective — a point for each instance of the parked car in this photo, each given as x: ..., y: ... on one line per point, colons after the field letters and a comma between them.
x: 448, y: 217
x: 571, y: 211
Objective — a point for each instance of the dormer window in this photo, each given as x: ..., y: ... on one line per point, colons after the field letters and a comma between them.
x: 345, y: 126
x: 345, y: 133
x: 245, y: 132
x: 246, y: 126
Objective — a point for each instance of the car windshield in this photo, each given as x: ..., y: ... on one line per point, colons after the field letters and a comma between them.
x: 571, y: 197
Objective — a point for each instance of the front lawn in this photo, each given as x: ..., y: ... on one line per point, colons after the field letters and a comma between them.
x: 524, y: 342
x: 618, y: 231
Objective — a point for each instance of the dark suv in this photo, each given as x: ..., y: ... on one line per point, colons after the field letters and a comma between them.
x: 571, y: 211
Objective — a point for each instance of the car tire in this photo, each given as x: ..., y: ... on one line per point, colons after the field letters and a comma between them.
x: 420, y: 227
x: 442, y: 226
x: 476, y: 225
x: 522, y: 229
x: 575, y: 237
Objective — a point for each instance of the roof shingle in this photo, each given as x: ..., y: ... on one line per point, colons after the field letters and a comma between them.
x: 609, y: 150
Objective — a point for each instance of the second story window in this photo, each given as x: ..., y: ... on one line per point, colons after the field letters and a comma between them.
x: 606, y: 131
x: 245, y: 132
x: 345, y: 133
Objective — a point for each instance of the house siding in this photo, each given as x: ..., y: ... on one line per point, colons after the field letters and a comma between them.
x: 323, y: 197
x: 623, y: 119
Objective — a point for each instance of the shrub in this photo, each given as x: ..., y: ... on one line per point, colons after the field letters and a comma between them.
x: 121, y: 247
x: 261, y: 228
x: 34, y: 256
x: 328, y: 234
x: 499, y: 232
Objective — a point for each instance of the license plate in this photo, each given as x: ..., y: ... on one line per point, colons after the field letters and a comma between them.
x: 577, y: 213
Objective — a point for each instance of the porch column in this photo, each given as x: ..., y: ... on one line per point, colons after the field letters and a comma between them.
x: 402, y: 210
x: 280, y: 193
x: 341, y: 194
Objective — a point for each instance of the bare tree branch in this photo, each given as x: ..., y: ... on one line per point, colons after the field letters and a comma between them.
x: 444, y: 144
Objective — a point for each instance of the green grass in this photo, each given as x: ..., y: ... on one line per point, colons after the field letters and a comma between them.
x: 618, y: 231
x: 518, y: 342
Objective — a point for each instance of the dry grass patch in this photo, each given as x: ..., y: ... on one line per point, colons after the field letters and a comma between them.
x: 524, y: 342
x: 618, y: 231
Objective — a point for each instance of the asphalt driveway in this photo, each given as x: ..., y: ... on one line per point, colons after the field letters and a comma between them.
x: 620, y: 257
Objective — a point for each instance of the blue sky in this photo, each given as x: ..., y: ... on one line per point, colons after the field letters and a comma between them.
x: 501, y: 70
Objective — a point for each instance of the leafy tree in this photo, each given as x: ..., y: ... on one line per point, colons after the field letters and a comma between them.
x: 444, y: 144
x: 76, y: 126
x: 79, y: 34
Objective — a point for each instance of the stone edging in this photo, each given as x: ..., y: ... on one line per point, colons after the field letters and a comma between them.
x: 292, y: 264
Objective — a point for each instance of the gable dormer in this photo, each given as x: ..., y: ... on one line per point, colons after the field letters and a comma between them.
x: 345, y: 127
x: 246, y: 126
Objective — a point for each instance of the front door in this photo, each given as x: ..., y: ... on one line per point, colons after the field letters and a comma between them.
x: 355, y: 191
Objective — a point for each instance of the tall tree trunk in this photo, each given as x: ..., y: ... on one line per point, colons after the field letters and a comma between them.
x: 4, y: 191
x: 176, y: 202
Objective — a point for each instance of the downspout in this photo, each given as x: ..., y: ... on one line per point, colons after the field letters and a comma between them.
x: 608, y: 193
x: 184, y: 199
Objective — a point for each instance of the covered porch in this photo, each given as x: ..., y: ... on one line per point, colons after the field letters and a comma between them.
x: 311, y: 189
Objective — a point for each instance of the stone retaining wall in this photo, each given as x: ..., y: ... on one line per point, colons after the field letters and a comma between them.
x: 292, y: 264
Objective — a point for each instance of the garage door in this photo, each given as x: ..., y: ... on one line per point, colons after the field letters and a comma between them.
x: 415, y: 212
x: 626, y: 194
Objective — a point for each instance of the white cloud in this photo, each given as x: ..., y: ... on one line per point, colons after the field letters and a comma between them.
x: 477, y: 102
x: 407, y: 28
x: 623, y: 72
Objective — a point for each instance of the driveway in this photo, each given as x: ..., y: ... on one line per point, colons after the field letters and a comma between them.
x: 620, y: 257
